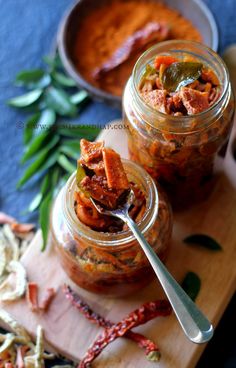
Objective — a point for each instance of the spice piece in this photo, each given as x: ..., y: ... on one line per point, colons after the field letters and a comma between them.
x: 151, y: 349
x: 22, y: 228
x: 32, y: 296
x: 50, y: 294
x: 136, y: 318
x: 152, y: 31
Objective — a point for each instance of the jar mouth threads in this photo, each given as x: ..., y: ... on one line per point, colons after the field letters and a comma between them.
x: 182, y: 124
x: 136, y: 174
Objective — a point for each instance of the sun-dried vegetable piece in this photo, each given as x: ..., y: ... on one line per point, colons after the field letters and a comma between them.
x: 20, y: 354
x: 39, y: 348
x: 114, y: 170
x: 32, y: 296
x: 3, y: 259
x: 50, y: 294
x: 22, y: 228
x: 13, y: 242
x: 14, y: 326
x: 6, y: 219
x: 19, y: 270
x: 194, y: 101
x: 209, y: 76
x: 156, y: 99
x: 152, y: 31
x: 90, y: 150
x: 7, y: 343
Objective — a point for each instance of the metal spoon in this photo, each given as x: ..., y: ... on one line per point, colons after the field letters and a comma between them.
x: 194, y: 324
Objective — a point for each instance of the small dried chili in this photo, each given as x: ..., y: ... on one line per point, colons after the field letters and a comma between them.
x: 144, y: 313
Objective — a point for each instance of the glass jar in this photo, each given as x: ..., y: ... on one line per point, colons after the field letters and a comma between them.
x: 111, y: 263
x: 180, y: 152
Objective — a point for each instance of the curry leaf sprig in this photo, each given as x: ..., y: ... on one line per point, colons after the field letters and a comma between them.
x: 51, y: 147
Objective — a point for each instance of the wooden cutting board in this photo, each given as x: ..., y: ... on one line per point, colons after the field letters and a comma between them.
x: 71, y: 334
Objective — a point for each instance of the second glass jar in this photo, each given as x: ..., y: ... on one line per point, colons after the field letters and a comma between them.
x: 179, y: 152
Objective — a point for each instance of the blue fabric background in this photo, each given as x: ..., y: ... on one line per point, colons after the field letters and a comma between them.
x: 27, y: 32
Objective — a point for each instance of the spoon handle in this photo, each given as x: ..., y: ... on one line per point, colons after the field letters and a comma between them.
x: 195, y: 325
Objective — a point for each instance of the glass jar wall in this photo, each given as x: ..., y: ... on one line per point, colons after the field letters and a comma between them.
x: 180, y: 152
x: 111, y: 263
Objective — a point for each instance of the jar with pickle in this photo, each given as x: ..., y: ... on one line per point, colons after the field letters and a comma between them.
x: 178, y: 106
x: 102, y: 255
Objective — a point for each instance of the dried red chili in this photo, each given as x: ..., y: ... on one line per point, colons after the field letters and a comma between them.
x: 112, y: 331
x: 151, y: 349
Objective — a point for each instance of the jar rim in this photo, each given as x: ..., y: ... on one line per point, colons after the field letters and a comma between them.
x: 111, y: 239
x: 171, y: 47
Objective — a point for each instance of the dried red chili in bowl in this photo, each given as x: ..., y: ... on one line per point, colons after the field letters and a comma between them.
x: 98, y: 252
x: 178, y: 105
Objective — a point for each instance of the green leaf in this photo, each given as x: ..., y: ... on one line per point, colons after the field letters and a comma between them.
x: 66, y: 164
x: 79, y: 97
x: 26, y: 99
x: 71, y: 148
x: 54, y: 62
x: 191, y: 285
x: 45, y: 183
x: 77, y: 131
x: 34, y: 204
x: 203, y: 240
x: 47, y: 119
x: 59, y: 101
x: 180, y: 74
x: 43, y: 161
x: 44, y: 218
x: 35, y: 78
x: 30, y: 126
x: 35, y: 146
x: 63, y: 79
x: 33, y: 168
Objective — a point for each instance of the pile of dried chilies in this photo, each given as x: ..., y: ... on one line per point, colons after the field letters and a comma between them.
x: 123, y: 328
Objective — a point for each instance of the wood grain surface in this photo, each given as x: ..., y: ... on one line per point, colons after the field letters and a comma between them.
x: 71, y: 334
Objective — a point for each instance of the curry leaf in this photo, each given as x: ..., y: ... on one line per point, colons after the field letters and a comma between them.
x: 44, y: 216
x: 47, y: 119
x: 66, y: 164
x: 33, y: 168
x: 63, y: 79
x: 34, y: 146
x: 30, y: 126
x: 59, y: 101
x: 79, y: 97
x: 77, y: 131
x: 34, y: 204
x: 71, y: 148
x: 26, y: 99
x: 191, y: 285
x: 35, y: 78
x: 203, y: 240
x: 180, y: 74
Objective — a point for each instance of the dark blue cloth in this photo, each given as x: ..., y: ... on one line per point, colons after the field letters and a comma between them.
x: 27, y: 32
